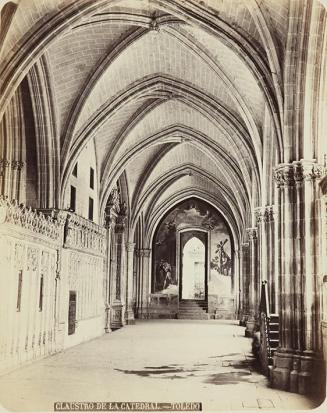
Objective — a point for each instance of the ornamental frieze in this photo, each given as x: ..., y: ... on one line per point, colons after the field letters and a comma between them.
x: 50, y: 225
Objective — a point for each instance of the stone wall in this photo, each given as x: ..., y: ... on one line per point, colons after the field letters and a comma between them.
x: 43, y: 256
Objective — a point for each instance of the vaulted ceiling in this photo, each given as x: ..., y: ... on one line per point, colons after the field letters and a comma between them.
x: 179, y: 96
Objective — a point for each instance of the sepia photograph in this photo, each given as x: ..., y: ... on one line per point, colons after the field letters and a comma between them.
x: 163, y: 205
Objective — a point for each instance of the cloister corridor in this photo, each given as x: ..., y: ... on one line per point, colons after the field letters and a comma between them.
x: 206, y: 361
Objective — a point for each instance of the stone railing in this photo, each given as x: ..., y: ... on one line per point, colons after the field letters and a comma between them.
x: 50, y: 225
x: 83, y: 234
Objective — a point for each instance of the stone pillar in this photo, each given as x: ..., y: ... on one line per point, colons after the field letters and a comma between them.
x: 284, y: 355
x: 129, y: 314
x: 295, y: 359
x: 16, y: 174
x: 238, y: 283
x: 108, y: 273
x: 261, y: 243
x: 309, y: 172
x: 244, y: 315
x: 144, y: 254
x: 254, y: 288
x: 272, y: 274
x: 117, y: 319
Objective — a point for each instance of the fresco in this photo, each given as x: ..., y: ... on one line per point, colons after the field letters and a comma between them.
x: 192, y: 213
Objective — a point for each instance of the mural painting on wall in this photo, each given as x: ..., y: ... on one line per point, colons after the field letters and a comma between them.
x: 192, y: 213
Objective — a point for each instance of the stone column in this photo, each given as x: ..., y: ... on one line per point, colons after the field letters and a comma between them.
x: 109, y: 224
x: 261, y: 243
x: 254, y: 288
x: 284, y: 355
x: 129, y: 314
x: 272, y: 274
x: 299, y: 344
x: 245, y: 283
x: 238, y: 283
x: 118, y: 304
x: 145, y: 287
x: 309, y: 172
x: 16, y: 167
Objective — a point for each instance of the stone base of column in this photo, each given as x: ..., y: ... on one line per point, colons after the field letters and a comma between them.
x: 297, y: 373
x: 251, y: 327
x: 281, y: 372
x: 107, y: 328
x: 243, y: 317
x: 129, y: 317
x: 310, y: 377
x: 143, y: 314
x: 116, y: 316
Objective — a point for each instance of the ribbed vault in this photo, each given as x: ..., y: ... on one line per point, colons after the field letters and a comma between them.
x: 176, y: 96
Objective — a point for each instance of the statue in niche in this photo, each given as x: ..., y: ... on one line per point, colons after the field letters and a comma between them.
x: 222, y: 262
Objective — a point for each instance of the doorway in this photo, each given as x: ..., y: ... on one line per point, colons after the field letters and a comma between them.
x: 193, y: 265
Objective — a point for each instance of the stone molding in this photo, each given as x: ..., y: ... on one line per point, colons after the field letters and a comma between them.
x: 49, y: 225
x: 290, y: 174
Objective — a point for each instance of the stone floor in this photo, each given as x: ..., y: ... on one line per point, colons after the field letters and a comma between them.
x: 163, y: 361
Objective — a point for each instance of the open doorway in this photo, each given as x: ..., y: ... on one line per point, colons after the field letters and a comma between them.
x: 193, y: 259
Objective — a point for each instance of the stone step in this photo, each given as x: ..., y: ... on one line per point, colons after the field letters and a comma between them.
x: 192, y: 306
x: 274, y: 343
x: 191, y: 312
x: 199, y: 316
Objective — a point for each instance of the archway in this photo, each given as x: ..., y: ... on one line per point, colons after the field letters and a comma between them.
x: 192, y: 260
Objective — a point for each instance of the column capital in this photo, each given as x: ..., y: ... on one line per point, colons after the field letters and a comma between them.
x: 17, y: 165
x: 259, y: 213
x: 284, y: 175
x: 252, y: 233
x: 263, y: 214
x: 144, y: 252
x: 271, y: 213
x: 130, y: 246
x: 307, y: 170
x: 289, y: 174
x: 120, y: 223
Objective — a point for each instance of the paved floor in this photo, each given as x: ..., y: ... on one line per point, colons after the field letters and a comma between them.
x: 162, y: 361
